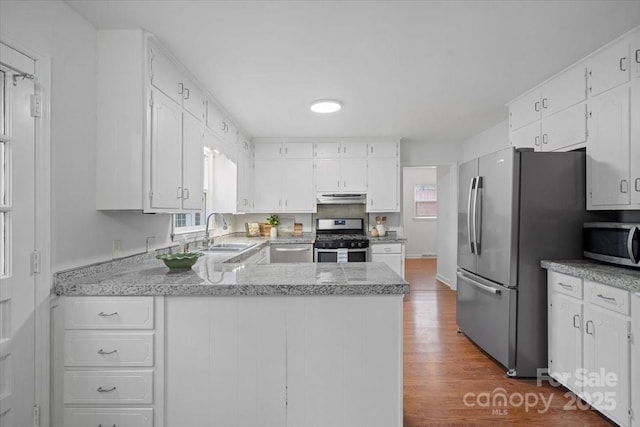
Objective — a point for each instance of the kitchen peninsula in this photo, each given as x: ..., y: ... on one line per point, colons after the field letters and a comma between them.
x: 309, y: 344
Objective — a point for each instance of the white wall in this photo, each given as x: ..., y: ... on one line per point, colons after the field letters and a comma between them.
x: 80, y: 234
x: 488, y: 141
x: 446, y: 156
x: 423, y: 233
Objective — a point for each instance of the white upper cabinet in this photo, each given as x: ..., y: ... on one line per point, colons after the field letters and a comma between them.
x: 350, y: 150
x: 552, y: 116
x: 283, y: 177
x: 635, y: 56
x: 193, y: 100
x: 384, y: 185
x: 220, y: 124
x: 635, y: 144
x: 329, y: 150
x: 383, y: 149
x: 164, y: 75
x: 609, y: 67
x: 245, y: 175
x: 192, y: 163
x: 608, y: 178
x: 341, y: 167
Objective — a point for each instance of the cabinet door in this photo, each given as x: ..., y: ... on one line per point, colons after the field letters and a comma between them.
x: 606, y: 363
x: 245, y: 180
x: 267, y: 150
x: 565, y: 129
x: 193, y: 100
x: 357, y: 149
x: 298, y: 150
x: 215, y: 119
x: 635, y: 358
x: 608, y: 149
x: 635, y: 143
x: 297, y: 183
x: 230, y: 133
x: 527, y: 137
x: 328, y: 150
x: 354, y: 175
x: 267, y: 185
x: 165, y: 76
x: 525, y: 110
x: 166, y: 152
x: 565, y: 340
x: 564, y: 90
x: 383, y: 149
x: 382, y: 195
x: 192, y: 163
x: 328, y: 175
x: 635, y: 56
x: 394, y: 261
x: 609, y: 68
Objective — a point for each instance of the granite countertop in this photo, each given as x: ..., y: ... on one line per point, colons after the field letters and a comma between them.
x: 390, y: 237
x: 211, y: 277
x: 619, y: 277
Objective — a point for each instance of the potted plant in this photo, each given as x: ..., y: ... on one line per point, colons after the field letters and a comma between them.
x: 273, y: 221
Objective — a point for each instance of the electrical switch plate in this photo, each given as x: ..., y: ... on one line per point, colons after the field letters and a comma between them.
x: 151, y: 241
x: 117, y: 249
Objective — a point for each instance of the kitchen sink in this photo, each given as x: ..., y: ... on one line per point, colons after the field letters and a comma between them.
x: 229, y: 247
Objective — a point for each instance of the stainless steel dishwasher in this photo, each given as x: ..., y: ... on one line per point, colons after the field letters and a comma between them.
x: 291, y: 252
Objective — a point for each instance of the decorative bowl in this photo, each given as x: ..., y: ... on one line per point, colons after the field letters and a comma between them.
x: 181, y: 261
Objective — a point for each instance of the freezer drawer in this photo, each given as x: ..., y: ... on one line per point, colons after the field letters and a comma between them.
x: 486, y: 313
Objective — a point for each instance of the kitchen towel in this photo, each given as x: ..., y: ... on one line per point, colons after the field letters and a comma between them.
x: 343, y: 255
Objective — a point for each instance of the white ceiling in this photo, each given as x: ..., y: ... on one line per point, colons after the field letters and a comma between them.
x: 421, y: 70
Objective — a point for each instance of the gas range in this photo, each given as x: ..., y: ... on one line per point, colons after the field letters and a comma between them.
x: 341, y: 233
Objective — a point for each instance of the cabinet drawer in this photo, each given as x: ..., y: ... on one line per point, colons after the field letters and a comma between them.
x: 108, y: 417
x: 108, y: 349
x: 109, y: 313
x: 608, y: 297
x: 386, y: 248
x: 108, y: 387
x: 565, y: 284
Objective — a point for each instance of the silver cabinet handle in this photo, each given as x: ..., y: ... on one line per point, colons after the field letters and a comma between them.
x: 536, y: 141
x: 632, y: 233
x: 592, y: 327
x: 545, y: 103
x: 179, y: 193
x: 181, y: 90
x: 624, y: 58
x: 624, y: 186
x: 112, y: 425
x: 102, y: 314
x: 536, y: 106
x: 106, y: 390
x: 637, y: 184
x: 606, y: 298
x: 292, y: 249
x: 185, y: 193
x: 545, y: 138
x: 103, y: 353
x: 576, y: 317
x: 188, y: 93
x: 638, y: 56
x: 564, y: 285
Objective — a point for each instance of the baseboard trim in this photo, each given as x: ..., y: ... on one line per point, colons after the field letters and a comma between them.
x: 444, y: 280
x: 421, y: 256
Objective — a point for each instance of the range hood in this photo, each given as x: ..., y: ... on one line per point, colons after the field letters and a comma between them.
x: 341, y: 198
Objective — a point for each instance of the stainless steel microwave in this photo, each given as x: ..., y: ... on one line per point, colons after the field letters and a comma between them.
x: 613, y: 242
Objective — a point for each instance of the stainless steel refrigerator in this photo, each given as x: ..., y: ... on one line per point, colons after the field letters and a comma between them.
x: 516, y: 207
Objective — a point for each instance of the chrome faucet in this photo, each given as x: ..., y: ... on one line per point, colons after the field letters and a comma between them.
x: 208, y: 240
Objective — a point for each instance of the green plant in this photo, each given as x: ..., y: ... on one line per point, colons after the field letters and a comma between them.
x: 273, y: 220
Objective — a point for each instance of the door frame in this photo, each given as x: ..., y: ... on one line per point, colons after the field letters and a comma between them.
x: 43, y: 279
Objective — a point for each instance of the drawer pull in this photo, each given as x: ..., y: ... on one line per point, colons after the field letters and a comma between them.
x: 564, y: 285
x: 608, y: 299
x: 102, y: 352
x: 106, y: 390
x: 103, y: 314
x: 112, y: 425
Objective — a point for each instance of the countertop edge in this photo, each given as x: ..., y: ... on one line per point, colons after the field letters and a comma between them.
x: 617, y: 277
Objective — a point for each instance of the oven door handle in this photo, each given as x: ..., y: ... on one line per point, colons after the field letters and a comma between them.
x: 292, y: 249
x: 632, y: 237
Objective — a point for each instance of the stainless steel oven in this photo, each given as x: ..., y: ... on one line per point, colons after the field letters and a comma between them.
x: 340, y: 240
x: 613, y: 242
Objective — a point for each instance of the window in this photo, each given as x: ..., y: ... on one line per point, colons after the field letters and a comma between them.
x: 426, y: 201
x: 190, y: 222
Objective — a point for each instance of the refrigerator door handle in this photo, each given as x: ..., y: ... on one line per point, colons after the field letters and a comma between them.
x: 471, y: 214
x: 632, y: 234
x: 477, y: 215
x: 479, y: 285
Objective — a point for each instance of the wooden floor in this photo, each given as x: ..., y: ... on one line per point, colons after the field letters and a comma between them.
x: 450, y: 381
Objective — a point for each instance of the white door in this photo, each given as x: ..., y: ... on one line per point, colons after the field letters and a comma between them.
x: 17, y: 241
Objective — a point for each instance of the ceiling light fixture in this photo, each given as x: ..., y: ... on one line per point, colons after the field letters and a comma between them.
x: 326, y: 106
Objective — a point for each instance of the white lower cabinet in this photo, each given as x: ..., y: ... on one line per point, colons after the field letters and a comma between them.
x: 111, y: 362
x: 284, y: 360
x: 391, y: 254
x: 590, y: 343
x: 635, y: 360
